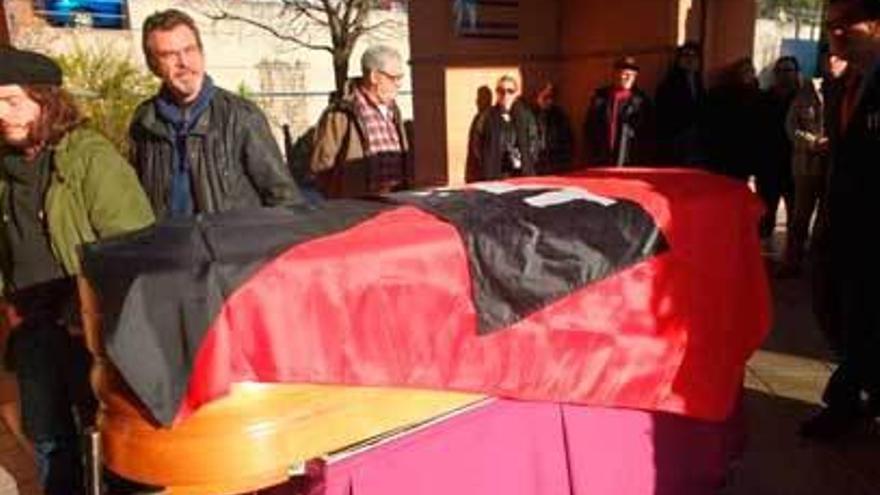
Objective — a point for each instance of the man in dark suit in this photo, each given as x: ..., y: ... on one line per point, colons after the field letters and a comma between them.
x: 854, y: 31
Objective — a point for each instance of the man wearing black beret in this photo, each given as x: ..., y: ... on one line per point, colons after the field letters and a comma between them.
x: 61, y: 185
x: 617, y: 126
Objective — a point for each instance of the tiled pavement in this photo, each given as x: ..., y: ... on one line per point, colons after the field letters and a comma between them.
x: 783, y: 382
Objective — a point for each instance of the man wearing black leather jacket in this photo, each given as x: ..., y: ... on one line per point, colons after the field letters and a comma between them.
x: 198, y: 148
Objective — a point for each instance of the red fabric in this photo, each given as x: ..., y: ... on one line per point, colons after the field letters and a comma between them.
x: 388, y: 303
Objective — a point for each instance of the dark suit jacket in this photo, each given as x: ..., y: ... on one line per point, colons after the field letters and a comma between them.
x: 634, y: 134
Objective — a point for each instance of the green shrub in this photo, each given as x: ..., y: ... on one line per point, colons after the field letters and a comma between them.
x: 108, y: 86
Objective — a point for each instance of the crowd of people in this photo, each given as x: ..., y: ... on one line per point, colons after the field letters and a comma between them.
x: 197, y: 148
x: 776, y: 136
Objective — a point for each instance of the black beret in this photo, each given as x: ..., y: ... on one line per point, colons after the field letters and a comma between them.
x: 24, y: 68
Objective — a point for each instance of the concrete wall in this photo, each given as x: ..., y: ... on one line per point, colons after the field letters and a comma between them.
x: 730, y: 33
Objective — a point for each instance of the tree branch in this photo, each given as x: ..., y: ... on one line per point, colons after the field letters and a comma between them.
x: 297, y: 40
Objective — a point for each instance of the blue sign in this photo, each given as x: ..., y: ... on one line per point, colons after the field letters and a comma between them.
x: 110, y: 14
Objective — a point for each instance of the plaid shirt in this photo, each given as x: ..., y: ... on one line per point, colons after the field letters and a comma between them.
x: 384, y: 149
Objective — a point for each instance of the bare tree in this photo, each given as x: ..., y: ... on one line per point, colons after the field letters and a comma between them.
x: 333, y: 26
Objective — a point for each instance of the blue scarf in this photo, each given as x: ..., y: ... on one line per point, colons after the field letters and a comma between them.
x: 181, y: 120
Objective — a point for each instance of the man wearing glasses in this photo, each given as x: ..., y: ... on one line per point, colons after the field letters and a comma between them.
x: 507, y: 140
x: 360, y: 144
x: 198, y: 148
x: 854, y: 34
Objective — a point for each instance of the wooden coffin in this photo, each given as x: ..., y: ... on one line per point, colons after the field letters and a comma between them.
x: 253, y: 438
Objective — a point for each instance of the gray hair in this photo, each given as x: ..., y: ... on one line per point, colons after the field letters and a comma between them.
x: 377, y: 57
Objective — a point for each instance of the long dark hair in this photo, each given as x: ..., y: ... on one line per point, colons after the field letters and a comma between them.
x: 58, y: 114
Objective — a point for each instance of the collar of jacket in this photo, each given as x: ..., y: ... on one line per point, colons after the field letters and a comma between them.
x: 152, y: 123
x: 71, y: 141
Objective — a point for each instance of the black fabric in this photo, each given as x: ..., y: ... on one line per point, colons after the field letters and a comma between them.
x: 162, y: 287
x: 24, y: 228
x: 530, y: 246
x: 25, y: 68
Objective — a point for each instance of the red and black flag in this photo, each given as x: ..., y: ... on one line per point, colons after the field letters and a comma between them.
x: 487, y: 289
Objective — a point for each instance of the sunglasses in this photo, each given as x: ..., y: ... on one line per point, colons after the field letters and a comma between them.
x: 509, y: 91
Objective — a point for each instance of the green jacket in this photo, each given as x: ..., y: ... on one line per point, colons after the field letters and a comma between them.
x: 93, y: 193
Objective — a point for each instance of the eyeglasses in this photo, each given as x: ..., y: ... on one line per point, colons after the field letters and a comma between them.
x: 169, y: 55
x: 509, y: 91
x: 393, y: 77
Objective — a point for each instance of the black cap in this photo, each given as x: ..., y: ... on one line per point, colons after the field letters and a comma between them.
x: 25, y: 68
x: 626, y: 62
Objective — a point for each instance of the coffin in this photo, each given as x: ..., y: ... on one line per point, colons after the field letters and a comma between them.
x: 387, y: 321
x: 255, y: 437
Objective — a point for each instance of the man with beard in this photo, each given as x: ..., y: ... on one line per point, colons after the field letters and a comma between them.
x: 61, y: 186
x: 198, y: 148
x: 854, y: 32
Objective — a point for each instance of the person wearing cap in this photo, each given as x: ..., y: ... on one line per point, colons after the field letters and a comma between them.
x: 617, y: 128
x: 61, y: 185
x: 198, y: 148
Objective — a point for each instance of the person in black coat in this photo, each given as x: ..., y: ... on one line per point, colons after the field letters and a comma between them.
x: 507, y: 137
x: 732, y: 131
x: 854, y: 32
x: 554, y: 133
x: 617, y: 130
x: 681, y: 97
x: 774, y: 177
